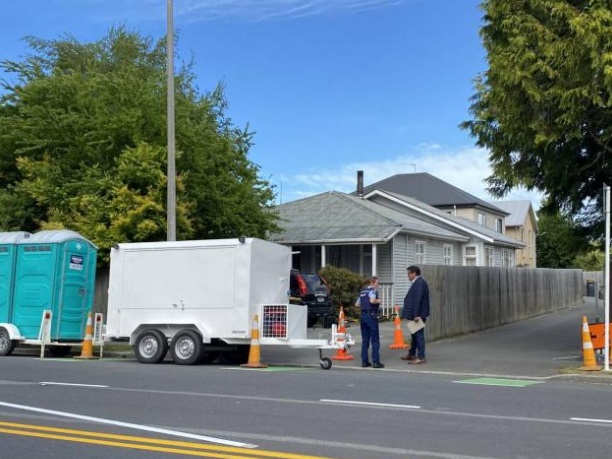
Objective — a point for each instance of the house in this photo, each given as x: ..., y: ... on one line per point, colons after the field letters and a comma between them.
x: 382, y: 233
x: 443, y: 196
x: 522, y: 225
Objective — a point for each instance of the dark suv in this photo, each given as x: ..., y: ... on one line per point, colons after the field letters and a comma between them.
x: 312, y: 291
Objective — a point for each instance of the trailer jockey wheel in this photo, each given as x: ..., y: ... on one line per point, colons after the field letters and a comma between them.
x: 326, y: 363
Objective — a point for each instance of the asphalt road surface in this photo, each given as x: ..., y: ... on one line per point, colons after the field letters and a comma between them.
x: 62, y: 408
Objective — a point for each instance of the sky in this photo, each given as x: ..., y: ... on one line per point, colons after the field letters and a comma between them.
x: 330, y: 87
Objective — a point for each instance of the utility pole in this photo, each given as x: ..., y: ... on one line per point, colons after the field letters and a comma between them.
x: 171, y: 192
x: 607, y: 281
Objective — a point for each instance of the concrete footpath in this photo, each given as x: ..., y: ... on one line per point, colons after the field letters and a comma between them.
x: 548, y: 346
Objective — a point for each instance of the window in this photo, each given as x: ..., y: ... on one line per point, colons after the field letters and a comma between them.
x: 499, y: 225
x: 448, y: 254
x: 482, y: 219
x: 420, y: 252
x: 507, y: 261
x: 489, y: 256
x: 470, y: 255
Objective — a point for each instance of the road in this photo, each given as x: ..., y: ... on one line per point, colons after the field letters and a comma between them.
x: 168, y: 411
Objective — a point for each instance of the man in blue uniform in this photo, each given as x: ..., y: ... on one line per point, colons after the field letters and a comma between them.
x: 369, y: 302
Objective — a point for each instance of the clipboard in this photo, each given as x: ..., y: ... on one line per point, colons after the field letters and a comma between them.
x: 415, y: 325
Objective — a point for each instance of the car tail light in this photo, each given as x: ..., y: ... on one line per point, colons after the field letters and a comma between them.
x: 302, y: 286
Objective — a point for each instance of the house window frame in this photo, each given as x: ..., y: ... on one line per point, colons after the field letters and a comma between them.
x: 467, y: 257
x: 499, y: 225
x: 482, y: 219
x: 507, y: 258
x: 448, y: 257
x: 489, y: 256
x: 420, y: 257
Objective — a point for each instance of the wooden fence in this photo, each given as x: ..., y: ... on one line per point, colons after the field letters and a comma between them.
x: 468, y: 299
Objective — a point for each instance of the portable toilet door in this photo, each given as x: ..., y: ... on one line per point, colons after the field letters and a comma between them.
x: 8, y: 251
x: 55, y: 270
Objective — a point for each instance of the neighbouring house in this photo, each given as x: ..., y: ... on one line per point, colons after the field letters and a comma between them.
x: 521, y: 224
x: 383, y: 232
x: 443, y: 196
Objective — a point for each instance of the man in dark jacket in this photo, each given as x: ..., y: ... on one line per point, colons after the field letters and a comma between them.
x: 416, y: 307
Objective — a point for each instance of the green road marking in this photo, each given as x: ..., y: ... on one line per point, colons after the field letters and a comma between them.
x: 498, y: 382
x: 272, y: 369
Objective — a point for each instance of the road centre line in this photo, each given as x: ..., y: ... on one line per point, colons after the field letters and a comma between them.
x: 50, y: 383
x: 384, y: 405
x: 604, y: 421
x: 129, y: 425
x: 136, y: 442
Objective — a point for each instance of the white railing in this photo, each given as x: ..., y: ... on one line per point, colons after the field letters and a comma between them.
x: 385, y: 292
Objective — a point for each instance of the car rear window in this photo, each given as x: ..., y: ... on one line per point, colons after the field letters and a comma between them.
x: 314, y: 282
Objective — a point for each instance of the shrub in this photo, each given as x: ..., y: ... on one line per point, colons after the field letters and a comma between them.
x: 344, y: 285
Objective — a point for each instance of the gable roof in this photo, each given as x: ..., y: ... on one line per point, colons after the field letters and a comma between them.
x: 519, y: 212
x: 335, y: 217
x: 430, y: 190
x: 462, y: 224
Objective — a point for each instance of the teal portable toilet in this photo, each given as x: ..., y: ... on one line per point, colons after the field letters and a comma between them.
x: 8, y: 252
x: 55, y: 270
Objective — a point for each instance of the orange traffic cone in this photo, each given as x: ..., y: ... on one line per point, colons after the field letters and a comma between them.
x: 342, y: 353
x: 590, y: 364
x: 398, y: 337
x: 254, y: 352
x: 87, y: 347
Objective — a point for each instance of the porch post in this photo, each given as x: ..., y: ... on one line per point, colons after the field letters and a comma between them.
x: 323, y: 256
x: 374, y: 261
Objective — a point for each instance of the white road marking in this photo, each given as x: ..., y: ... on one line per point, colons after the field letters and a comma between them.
x: 385, y: 405
x: 49, y: 383
x: 605, y: 421
x: 129, y: 425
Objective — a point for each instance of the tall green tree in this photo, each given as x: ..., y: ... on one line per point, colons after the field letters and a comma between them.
x: 560, y: 240
x: 543, y: 108
x: 83, y: 146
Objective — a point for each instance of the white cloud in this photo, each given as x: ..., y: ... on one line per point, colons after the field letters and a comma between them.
x: 248, y: 10
x: 466, y: 168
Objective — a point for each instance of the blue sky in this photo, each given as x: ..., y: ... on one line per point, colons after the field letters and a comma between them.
x: 329, y: 86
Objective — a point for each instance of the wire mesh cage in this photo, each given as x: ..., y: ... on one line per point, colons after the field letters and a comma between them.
x: 274, y: 324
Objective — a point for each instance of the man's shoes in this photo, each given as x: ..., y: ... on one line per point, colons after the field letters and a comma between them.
x: 366, y: 365
x: 417, y: 361
x: 378, y: 365
x: 408, y: 357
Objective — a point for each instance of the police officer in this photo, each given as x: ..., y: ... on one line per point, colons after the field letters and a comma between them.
x: 369, y: 302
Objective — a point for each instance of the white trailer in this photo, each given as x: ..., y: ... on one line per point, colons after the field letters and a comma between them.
x: 197, y: 298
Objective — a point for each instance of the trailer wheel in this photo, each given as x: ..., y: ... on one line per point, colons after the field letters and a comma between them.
x: 7, y: 345
x: 326, y: 363
x: 59, y: 351
x: 151, y: 346
x: 186, y: 347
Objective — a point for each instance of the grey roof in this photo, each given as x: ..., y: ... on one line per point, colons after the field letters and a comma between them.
x: 518, y: 210
x: 451, y: 219
x: 12, y: 237
x: 430, y: 190
x: 51, y: 236
x: 338, y: 217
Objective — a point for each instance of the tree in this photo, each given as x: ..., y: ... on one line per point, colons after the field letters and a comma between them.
x: 543, y: 107
x: 590, y: 260
x: 83, y: 146
x: 560, y: 240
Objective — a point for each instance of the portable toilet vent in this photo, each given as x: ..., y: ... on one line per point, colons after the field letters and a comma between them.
x: 54, y: 270
x: 8, y: 254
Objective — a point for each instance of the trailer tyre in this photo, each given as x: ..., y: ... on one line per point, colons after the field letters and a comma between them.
x: 326, y: 363
x: 151, y: 346
x: 186, y: 347
x: 7, y: 345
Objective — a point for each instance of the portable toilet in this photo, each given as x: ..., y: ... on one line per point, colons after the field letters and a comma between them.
x: 8, y: 252
x: 55, y: 270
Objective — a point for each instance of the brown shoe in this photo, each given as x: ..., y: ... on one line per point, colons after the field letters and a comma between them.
x: 417, y: 361
x: 410, y: 358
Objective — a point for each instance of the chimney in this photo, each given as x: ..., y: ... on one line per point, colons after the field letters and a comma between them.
x: 360, y: 184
